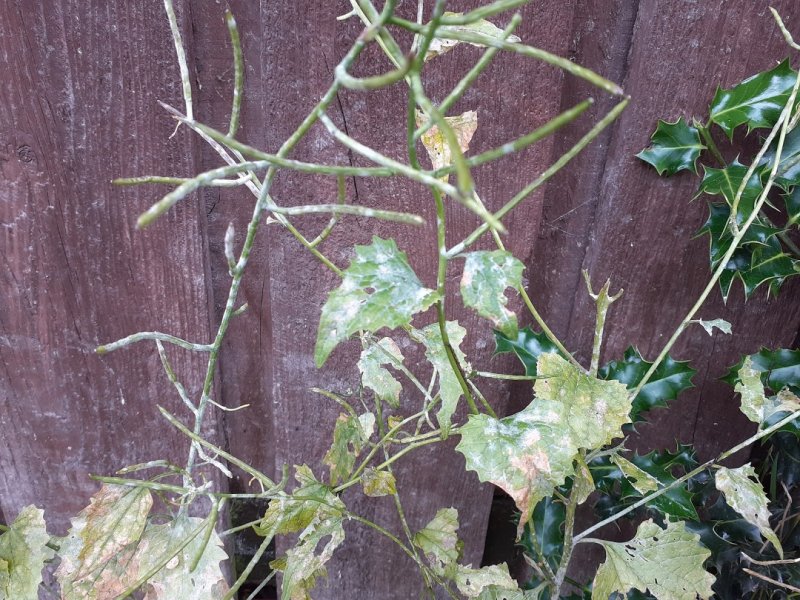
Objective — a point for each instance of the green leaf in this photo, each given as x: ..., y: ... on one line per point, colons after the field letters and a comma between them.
x: 439, y: 46
x: 439, y: 541
x: 670, y: 379
x: 530, y: 453
x: 379, y: 289
x: 23, y: 552
x: 305, y: 563
x: 486, y: 277
x: 755, y: 405
x: 449, y: 387
x: 792, y: 202
x: 375, y: 377
x: 726, y: 182
x: 477, y: 583
x: 667, y: 562
x: 756, y: 102
x: 720, y: 324
x: 378, y: 483
x: 744, y: 494
x: 527, y: 345
x: 640, y: 479
x: 788, y: 174
x: 778, y: 368
x: 675, y: 147
x: 349, y: 439
x: 545, y: 531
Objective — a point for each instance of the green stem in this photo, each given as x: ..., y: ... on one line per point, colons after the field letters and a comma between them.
x: 547, y: 331
x: 153, y: 335
x: 238, y: 73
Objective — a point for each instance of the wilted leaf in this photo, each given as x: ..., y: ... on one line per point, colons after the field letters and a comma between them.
x: 720, y: 324
x: 306, y: 561
x: 675, y: 147
x: 440, y: 46
x: 640, y: 479
x: 449, y: 387
x: 486, y: 277
x: 666, y: 562
x: 744, y: 494
x: 435, y: 143
x: 527, y: 345
x: 474, y: 582
x: 755, y: 405
x: 373, y: 374
x: 439, y: 541
x: 378, y: 483
x: 756, y: 102
x: 379, y: 289
x: 23, y: 552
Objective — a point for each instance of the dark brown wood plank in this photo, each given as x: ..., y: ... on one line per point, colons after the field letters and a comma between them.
x: 77, y: 108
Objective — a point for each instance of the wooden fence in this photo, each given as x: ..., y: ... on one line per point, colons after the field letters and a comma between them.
x: 79, y: 83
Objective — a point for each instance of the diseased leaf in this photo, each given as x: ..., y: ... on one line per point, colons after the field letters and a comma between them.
x: 720, y: 324
x: 379, y: 289
x: 675, y: 147
x: 778, y: 369
x: 744, y: 494
x: 755, y: 405
x: 23, y: 552
x: 378, y: 483
x: 726, y: 182
x: 449, y: 387
x: 640, y: 479
x: 440, y: 46
x: 670, y: 379
x: 349, y: 439
x: 486, y: 277
x: 666, y: 562
x: 435, y: 143
x: 582, y: 483
x: 756, y: 102
x: 305, y: 563
x: 527, y: 345
x: 377, y: 378
x: 439, y: 541
x: 474, y: 583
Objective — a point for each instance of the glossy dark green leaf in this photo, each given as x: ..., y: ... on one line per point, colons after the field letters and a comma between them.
x: 779, y: 369
x: 792, y: 202
x: 788, y: 174
x: 675, y: 147
x: 544, y: 532
x: 757, y: 102
x: 527, y: 347
x: 726, y: 181
x: 670, y: 379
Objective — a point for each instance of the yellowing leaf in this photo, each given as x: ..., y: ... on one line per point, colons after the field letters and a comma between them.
x: 474, y: 582
x: 486, y: 277
x: 744, y: 494
x: 349, y: 438
x: 373, y: 374
x: 435, y: 143
x: 306, y: 561
x: 640, y: 479
x: 440, y: 46
x: 378, y: 483
x: 666, y: 562
x: 439, y: 540
x: 755, y: 405
x: 23, y: 552
x: 583, y: 485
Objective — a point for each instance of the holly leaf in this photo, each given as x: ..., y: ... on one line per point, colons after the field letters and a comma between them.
x: 23, y: 552
x: 670, y: 379
x: 440, y: 46
x: 544, y: 534
x: 377, y: 378
x: 756, y: 102
x: 449, y: 387
x: 756, y: 406
x: 675, y: 147
x: 727, y: 181
x: 379, y: 289
x: 788, y: 174
x: 439, y: 541
x: 792, y: 202
x: 744, y: 494
x: 527, y: 346
x: 378, y: 483
x: 720, y: 324
x: 486, y: 277
x: 778, y: 369
x: 435, y: 143
x: 667, y: 562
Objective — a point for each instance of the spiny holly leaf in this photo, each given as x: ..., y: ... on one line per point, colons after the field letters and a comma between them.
x: 378, y: 483
x: 373, y: 374
x: 349, y: 439
x: 439, y: 151
x: 379, y: 289
x: 778, y: 368
x: 720, y: 324
x: 756, y: 102
x: 477, y: 583
x: 670, y: 379
x: 23, y: 552
x: 483, y: 285
x: 439, y: 541
x: 544, y: 531
x: 676, y: 146
x: 527, y: 345
x: 449, y: 387
x: 788, y: 174
x: 726, y: 182
x: 755, y: 405
x: 667, y: 562
x: 440, y: 46
x: 792, y: 202
x: 113, y: 522
x: 743, y: 492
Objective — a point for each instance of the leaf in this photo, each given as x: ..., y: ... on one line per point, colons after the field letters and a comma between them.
x: 435, y: 143
x: 449, y: 387
x: 530, y: 453
x: 349, y: 439
x: 378, y: 483
x: 675, y: 147
x: 583, y: 483
x: 755, y: 405
x: 379, y: 289
x: 475, y: 583
x: 756, y: 102
x: 720, y: 324
x: 667, y: 562
x: 527, y: 345
x: 440, y: 46
x: 670, y: 379
x: 375, y: 377
x: 788, y: 174
x: 113, y: 522
x: 743, y: 493
x: 483, y: 285
x: 778, y: 368
x: 544, y: 531
x: 726, y: 182
x: 640, y: 479
x: 23, y: 552
x: 305, y: 563
x: 792, y: 202
x: 439, y: 540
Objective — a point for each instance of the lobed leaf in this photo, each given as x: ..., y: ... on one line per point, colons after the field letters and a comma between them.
x: 305, y: 563
x: 23, y: 552
x: 379, y: 289
x: 527, y: 346
x: 349, y: 438
x: 378, y: 483
x: 479, y: 583
x: 439, y: 541
x: 675, y: 147
x: 377, y: 378
x: 486, y: 277
x: 640, y: 479
x: 440, y: 46
x: 756, y: 406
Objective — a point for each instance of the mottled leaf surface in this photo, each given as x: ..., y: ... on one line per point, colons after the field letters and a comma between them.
x: 756, y: 406
x: 486, y: 277
x: 674, y: 147
x: 378, y: 483
x: 666, y: 562
x: 778, y: 368
x: 440, y: 46
x: 439, y: 541
x: 527, y: 346
x: 23, y: 552
x: 375, y: 376
x: 379, y: 289
x: 476, y: 583
x: 349, y: 439
x: 640, y: 479
x: 720, y: 324
x: 435, y: 143
x: 305, y: 563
